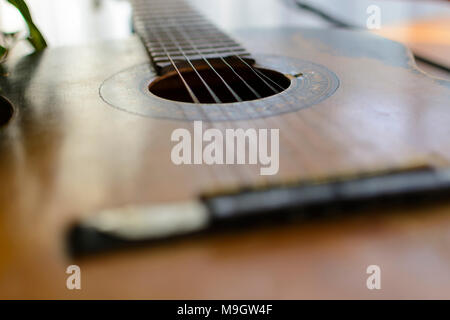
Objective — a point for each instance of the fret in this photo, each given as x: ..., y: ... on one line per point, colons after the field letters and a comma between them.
x: 171, y: 49
x: 166, y: 65
x: 162, y: 18
x: 188, y: 24
x: 180, y: 41
x: 190, y: 54
x: 188, y: 48
x: 160, y: 46
x: 202, y: 34
x: 186, y: 27
x: 158, y: 53
x: 197, y: 52
x: 174, y: 28
x: 198, y: 57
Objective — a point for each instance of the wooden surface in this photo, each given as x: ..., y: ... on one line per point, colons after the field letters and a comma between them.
x: 429, y: 38
x: 67, y: 153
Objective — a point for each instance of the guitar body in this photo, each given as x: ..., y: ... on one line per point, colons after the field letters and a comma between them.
x: 69, y: 151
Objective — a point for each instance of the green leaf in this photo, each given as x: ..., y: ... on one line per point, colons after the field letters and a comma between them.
x: 35, y: 38
x: 3, y: 52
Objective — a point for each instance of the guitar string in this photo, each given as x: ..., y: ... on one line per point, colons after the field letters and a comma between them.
x: 172, y: 39
x: 292, y: 98
x: 210, y: 46
x: 335, y: 132
x: 280, y: 123
x: 185, y: 6
x: 206, y: 114
x: 251, y: 119
x: 235, y: 95
x: 188, y: 88
x: 289, y: 140
x: 255, y: 70
x: 179, y: 74
x: 211, y: 92
x: 288, y: 137
x: 193, y: 96
x: 256, y: 73
x: 187, y: 38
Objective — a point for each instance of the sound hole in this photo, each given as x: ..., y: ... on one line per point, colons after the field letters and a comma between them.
x: 246, y: 83
x: 6, y: 111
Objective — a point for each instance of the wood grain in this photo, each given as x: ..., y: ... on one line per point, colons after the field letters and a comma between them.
x: 67, y: 154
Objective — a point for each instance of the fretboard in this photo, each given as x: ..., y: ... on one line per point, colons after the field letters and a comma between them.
x: 173, y: 31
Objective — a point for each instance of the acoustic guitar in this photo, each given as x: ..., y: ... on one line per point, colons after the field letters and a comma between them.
x: 89, y: 134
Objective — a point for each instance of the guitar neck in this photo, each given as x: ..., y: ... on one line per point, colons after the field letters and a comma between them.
x: 174, y: 32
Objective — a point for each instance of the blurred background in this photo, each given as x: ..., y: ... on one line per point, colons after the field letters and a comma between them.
x: 424, y: 25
